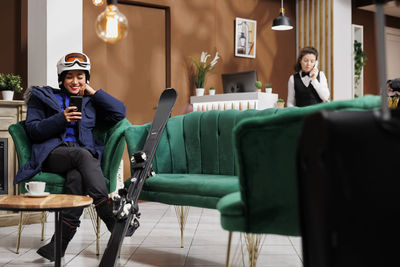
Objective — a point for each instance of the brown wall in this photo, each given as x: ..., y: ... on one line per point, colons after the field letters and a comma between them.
x: 208, y: 25
x: 13, y: 44
x: 196, y: 25
x: 367, y: 19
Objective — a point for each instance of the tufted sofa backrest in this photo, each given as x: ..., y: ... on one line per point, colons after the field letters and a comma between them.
x: 197, y: 142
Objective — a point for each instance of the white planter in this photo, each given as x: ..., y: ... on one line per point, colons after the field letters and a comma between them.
x: 7, y: 95
x: 212, y: 92
x: 199, y: 91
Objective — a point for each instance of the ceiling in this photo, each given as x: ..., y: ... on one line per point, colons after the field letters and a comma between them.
x: 390, y: 8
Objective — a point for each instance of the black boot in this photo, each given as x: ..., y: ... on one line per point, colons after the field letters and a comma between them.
x: 47, y: 251
x: 105, y: 212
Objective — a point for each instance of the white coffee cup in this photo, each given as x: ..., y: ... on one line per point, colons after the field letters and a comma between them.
x: 35, y: 188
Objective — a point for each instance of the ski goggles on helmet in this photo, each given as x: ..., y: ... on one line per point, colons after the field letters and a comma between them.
x: 75, y: 58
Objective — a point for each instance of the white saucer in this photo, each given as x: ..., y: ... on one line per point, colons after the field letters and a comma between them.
x: 44, y: 194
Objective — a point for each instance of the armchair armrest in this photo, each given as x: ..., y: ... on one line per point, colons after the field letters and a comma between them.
x: 113, y: 151
x: 22, y: 143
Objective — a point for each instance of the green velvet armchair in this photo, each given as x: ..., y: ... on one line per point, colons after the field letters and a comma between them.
x: 266, y: 147
x: 113, y: 138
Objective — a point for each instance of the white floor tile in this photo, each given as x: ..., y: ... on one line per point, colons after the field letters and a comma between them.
x: 155, y: 243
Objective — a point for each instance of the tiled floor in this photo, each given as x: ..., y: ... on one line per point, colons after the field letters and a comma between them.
x: 155, y: 243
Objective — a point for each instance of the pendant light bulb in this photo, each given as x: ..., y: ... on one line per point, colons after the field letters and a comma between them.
x: 111, y: 25
x: 98, y: 2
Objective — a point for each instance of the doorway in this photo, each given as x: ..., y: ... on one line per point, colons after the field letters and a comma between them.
x: 137, y: 69
x: 392, y: 52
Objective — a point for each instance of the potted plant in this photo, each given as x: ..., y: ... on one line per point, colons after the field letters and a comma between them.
x: 202, y: 68
x: 280, y: 103
x: 9, y: 83
x: 258, y: 85
x: 212, y: 91
x: 359, y: 63
x: 268, y: 88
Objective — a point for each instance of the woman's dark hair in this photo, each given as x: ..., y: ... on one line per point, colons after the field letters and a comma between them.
x: 306, y: 50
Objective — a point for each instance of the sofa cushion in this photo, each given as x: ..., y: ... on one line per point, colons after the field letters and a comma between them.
x: 200, y: 190
x: 198, y: 184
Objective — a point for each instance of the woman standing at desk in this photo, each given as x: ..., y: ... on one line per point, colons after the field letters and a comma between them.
x: 309, y: 85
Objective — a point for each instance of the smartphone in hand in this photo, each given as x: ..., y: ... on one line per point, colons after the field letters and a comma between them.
x: 76, y: 101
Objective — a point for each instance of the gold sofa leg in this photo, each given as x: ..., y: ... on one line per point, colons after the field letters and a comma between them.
x: 228, y: 252
x: 96, y: 225
x: 42, y: 221
x: 181, y: 215
x: 254, y: 243
x: 21, y: 216
x: 24, y: 220
x: 249, y: 247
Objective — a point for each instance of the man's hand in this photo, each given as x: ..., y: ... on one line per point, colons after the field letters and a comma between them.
x: 71, y: 115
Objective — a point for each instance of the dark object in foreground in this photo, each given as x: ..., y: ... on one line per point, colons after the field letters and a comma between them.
x: 349, y: 189
x: 126, y: 206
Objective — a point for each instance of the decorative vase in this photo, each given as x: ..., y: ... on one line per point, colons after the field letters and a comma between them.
x: 199, y: 91
x: 7, y: 95
x: 280, y: 104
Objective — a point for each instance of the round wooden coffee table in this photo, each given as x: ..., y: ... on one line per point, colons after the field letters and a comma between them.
x: 52, y: 202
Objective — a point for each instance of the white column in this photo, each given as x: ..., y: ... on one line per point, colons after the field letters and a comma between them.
x: 54, y: 29
x: 342, y: 50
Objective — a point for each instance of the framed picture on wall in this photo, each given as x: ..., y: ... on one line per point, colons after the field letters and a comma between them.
x: 245, y: 37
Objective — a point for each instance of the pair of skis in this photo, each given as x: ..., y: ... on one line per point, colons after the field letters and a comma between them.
x: 126, y: 207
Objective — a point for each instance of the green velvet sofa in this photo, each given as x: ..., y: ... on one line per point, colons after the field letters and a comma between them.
x: 267, y: 202
x: 196, y: 161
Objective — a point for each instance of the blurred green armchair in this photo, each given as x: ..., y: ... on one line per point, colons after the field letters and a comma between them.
x: 266, y: 149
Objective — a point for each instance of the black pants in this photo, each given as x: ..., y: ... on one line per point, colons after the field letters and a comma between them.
x: 83, y: 176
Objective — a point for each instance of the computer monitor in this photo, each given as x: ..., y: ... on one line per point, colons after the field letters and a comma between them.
x: 239, y: 82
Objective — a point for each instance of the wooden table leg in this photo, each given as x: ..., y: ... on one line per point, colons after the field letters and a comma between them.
x: 58, y: 237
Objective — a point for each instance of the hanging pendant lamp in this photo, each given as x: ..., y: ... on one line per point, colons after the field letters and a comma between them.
x: 282, y: 23
x: 111, y: 25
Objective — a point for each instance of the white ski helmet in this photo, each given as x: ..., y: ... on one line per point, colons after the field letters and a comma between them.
x: 73, y: 61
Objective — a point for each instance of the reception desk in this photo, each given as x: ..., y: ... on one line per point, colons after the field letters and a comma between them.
x: 239, y: 101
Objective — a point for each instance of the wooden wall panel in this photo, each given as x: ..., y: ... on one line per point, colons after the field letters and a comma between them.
x: 208, y: 25
x: 13, y: 45
x: 317, y: 31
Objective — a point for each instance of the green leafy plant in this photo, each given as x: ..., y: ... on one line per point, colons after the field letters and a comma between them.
x: 280, y: 100
x: 258, y: 84
x: 203, y: 67
x: 212, y: 88
x: 268, y: 85
x: 10, y: 82
x: 359, y: 62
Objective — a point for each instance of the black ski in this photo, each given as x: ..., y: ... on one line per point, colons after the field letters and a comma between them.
x: 126, y: 207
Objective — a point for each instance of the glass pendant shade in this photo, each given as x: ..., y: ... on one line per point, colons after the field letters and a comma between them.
x: 111, y: 25
x: 281, y: 23
x: 98, y: 2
